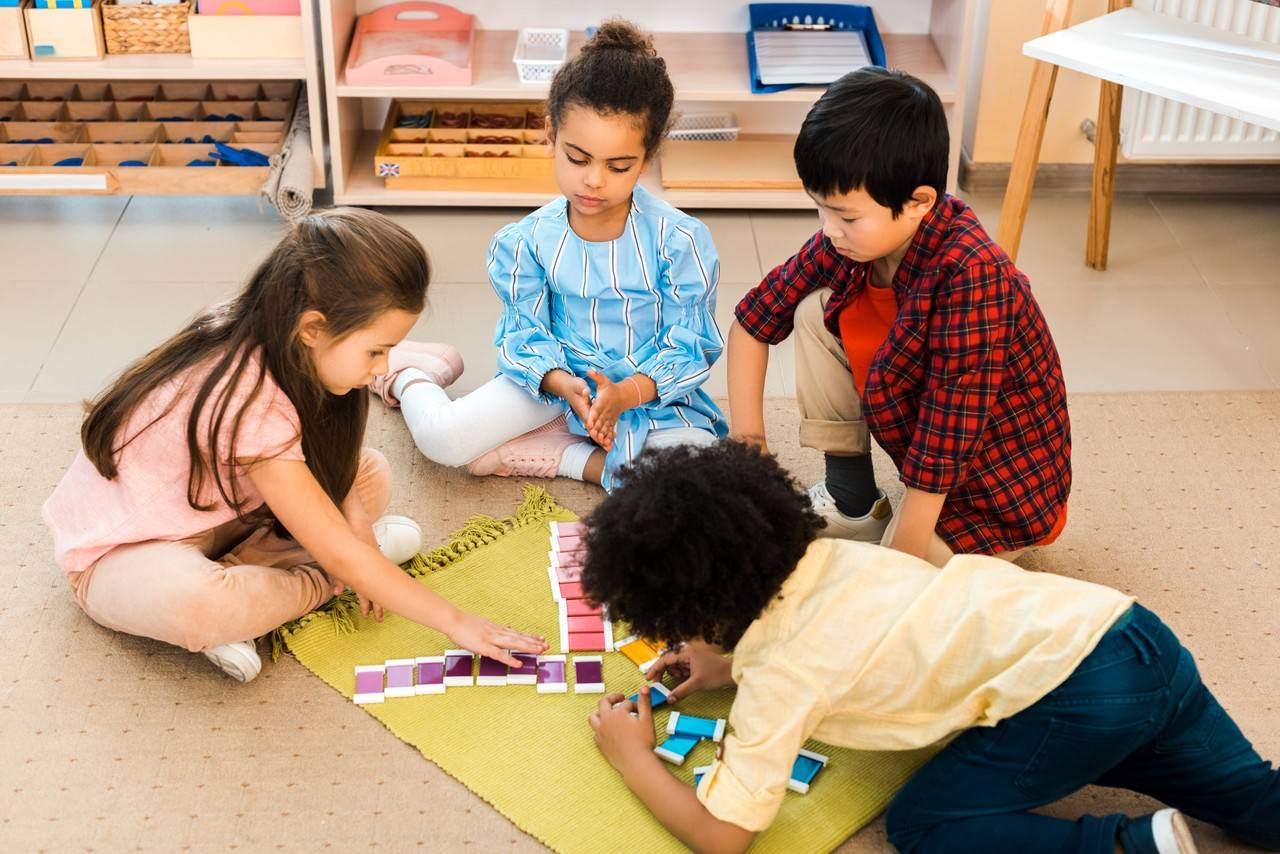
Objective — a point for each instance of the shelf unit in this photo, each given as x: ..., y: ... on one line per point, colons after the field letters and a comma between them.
x: 709, y: 70
x: 162, y: 67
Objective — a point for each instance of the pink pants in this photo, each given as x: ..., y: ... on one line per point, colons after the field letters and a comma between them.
x: 231, y: 583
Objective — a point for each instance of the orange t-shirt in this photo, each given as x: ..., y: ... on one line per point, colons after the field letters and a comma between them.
x: 864, y: 325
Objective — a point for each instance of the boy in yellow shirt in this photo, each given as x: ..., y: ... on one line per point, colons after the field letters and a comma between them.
x: 1042, y: 684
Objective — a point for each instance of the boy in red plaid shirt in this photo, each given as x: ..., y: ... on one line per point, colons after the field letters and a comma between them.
x: 914, y: 327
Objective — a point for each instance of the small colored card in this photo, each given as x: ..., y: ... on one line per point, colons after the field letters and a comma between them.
x: 659, y: 694
x: 568, y: 529
x: 579, y: 607
x: 700, y: 772
x: 400, y: 677
x: 676, y: 748
x: 369, y: 683
x: 712, y: 728
x: 639, y: 650
x: 457, y: 667
x: 585, y: 642
x: 430, y: 674
x: 571, y: 590
x: 527, y: 672
x: 568, y: 575
x: 569, y: 543
x: 588, y: 674
x: 805, y: 769
x: 567, y: 560
x: 551, y: 675
x: 492, y: 672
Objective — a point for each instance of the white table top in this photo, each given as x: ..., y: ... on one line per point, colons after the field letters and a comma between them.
x: 1213, y: 69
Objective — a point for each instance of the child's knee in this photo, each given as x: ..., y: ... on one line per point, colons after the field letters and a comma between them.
x: 810, y: 317
x: 373, y: 481
x: 444, y: 445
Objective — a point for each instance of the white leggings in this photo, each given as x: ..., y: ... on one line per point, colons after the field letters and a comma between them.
x: 455, y: 432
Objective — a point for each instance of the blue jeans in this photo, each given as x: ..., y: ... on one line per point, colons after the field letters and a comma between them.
x: 1133, y: 715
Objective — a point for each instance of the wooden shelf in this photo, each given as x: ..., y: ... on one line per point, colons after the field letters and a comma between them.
x: 155, y: 67
x: 703, y: 67
x: 363, y: 187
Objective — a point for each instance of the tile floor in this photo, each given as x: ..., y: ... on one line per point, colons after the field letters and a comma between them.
x: 1191, y: 299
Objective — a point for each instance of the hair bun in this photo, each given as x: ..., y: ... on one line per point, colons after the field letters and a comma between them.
x: 619, y: 34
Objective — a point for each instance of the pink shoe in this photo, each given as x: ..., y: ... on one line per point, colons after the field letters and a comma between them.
x: 442, y: 363
x: 535, y: 454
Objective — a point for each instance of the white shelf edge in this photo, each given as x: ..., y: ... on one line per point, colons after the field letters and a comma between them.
x: 155, y: 66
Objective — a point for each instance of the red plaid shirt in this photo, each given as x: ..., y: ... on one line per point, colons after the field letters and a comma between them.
x: 966, y: 394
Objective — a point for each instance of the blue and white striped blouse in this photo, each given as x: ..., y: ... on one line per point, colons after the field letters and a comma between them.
x: 644, y: 303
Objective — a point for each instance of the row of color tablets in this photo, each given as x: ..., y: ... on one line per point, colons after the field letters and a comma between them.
x: 432, y: 674
x: 583, y: 627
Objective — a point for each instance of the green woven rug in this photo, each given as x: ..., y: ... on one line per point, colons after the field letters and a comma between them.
x: 531, y: 755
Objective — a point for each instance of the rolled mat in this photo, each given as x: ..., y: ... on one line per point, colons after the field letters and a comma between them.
x: 531, y: 755
x: 290, y: 184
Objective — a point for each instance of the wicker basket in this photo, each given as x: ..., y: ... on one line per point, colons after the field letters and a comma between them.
x: 147, y: 29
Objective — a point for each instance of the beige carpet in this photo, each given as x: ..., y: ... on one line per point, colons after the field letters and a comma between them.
x: 113, y: 743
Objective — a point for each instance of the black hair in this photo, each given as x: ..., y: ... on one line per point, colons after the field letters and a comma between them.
x: 617, y: 72
x: 696, y: 541
x: 881, y: 131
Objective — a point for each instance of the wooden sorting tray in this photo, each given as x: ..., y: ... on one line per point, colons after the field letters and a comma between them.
x: 157, y: 128
x: 164, y: 170
x: 467, y: 141
x: 743, y: 164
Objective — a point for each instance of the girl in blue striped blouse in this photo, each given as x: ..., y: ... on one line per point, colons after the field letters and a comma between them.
x: 607, y: 331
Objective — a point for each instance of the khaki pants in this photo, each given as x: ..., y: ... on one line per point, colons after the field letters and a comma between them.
x: 830, y: 410
x: 231, y: 583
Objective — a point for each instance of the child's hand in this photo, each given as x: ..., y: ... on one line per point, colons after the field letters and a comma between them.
x: 620, y: 735
x: 696, y: 666
x: 573, y: 390
x: 490, y: 639
x: 611, y: 401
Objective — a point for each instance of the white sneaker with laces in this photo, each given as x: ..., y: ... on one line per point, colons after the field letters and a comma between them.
x: 238, y: 660
x: 399, y: 537
x: 1171, y: 834
x: 868, y: 528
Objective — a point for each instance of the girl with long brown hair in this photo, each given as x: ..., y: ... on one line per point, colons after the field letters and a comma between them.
x: 223, y: 489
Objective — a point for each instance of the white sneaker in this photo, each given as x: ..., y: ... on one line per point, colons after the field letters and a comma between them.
x: 238, y: 660
x: 399, y: 537
x: 869, y: 528
x: 1171, y: 834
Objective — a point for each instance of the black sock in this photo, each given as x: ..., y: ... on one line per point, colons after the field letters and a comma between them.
x: 852, y: 483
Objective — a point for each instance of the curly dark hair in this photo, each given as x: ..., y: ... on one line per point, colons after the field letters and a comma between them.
x: 696, y: 541
x: 617, y: 72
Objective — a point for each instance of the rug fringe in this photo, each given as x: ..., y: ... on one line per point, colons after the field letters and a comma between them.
x: 536, y: 505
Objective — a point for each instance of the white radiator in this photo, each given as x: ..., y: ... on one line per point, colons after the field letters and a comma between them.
x: 1154, y: 128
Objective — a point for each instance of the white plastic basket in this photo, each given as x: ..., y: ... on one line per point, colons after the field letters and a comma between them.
x: 705, y: 127
x: 540, y: 51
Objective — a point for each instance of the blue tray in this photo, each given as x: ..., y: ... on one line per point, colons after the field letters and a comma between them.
x: 769, y: 16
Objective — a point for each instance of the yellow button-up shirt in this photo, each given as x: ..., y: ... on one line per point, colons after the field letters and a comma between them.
x: 872, y: 649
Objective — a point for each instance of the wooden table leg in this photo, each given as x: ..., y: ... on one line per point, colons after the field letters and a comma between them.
x: 1026, y: 155
x: 1103, y: 188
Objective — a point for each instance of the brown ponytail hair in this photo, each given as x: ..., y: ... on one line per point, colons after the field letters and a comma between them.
x: 617, y: 72
x: 348, y: 264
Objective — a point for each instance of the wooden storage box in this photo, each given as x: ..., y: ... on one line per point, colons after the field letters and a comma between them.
x: 13, y: 31
x: 66, y: 33
x: 147, y: 28
x: 246, y: 36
